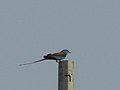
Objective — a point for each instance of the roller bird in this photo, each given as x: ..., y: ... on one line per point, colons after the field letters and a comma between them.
x: 52, y: 56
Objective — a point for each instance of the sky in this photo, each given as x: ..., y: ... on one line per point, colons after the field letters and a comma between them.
x: 30, y: 29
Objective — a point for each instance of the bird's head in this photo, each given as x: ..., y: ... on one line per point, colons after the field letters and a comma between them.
x: 66, y: 51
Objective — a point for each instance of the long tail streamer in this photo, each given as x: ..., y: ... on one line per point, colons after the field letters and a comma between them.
x: 32, y: 62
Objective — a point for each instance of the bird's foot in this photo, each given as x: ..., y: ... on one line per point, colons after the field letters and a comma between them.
x: 57, y: 61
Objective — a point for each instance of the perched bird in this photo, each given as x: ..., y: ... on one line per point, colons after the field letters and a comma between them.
x: 54, y: 56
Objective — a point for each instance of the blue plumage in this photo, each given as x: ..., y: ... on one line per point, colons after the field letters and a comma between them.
x: 55, y: 56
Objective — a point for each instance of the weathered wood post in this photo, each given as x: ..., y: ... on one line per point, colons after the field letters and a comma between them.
x: 66, y: 75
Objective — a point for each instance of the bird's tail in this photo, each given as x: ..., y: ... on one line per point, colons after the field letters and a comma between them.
x: 32, y: 62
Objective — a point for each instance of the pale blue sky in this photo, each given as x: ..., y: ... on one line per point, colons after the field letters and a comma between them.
x: 90, y: 29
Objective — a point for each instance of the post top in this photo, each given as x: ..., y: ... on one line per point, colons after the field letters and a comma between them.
x: 67, y: 61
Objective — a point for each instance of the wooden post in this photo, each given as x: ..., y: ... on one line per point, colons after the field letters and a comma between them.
x: 66, y: 75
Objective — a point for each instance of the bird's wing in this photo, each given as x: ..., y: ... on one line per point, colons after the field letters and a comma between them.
x: 32, y: 62
x: 56, y: 54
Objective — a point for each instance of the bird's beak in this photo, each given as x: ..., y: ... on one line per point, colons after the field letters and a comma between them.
x: 69, y: 52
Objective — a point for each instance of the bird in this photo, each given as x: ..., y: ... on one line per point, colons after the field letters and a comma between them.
x: 58, y: 56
